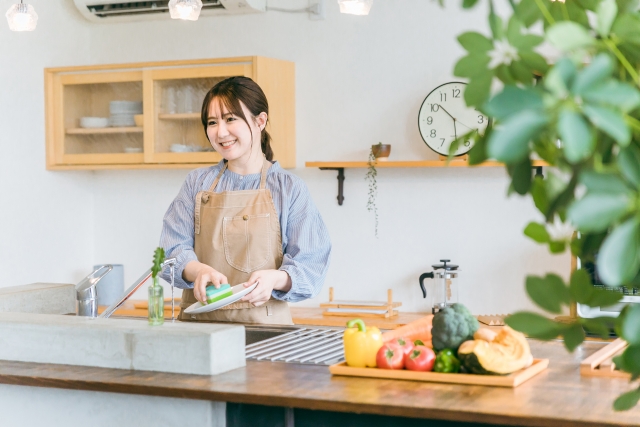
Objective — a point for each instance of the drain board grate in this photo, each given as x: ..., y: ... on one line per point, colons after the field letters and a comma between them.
x: 305, y: 346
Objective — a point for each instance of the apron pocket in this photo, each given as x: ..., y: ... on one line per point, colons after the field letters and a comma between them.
x: 247, y: 241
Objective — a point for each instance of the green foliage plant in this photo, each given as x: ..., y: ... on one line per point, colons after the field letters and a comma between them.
x: 158, y: 259
x: 371, y: 178
x: 581, y: 115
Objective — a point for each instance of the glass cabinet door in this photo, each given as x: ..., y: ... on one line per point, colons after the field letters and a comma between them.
x: 173, y: 106
x: 101, y: 117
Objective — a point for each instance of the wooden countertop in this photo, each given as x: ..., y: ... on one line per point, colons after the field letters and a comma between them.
x: 557, y: 397
x: 301, y: 316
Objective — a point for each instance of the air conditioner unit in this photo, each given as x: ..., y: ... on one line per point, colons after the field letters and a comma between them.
x: 119, y: 11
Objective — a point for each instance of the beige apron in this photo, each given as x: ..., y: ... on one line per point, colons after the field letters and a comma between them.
x: 237, y: 233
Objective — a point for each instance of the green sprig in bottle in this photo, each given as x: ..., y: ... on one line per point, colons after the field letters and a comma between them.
x: 156, y: 292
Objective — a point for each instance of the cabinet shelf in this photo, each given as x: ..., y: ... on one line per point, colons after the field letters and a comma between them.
x: 179, y: 116
x: 72, y: 93
x: 341, y: 166
x: 95, y: 131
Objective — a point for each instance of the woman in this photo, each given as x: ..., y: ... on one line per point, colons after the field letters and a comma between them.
x: 245, y: 220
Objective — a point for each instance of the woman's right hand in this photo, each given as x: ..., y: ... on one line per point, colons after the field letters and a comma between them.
x: 202, y: 275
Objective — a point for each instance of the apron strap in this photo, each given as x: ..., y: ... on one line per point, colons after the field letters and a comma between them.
x: 215, y: 181
x: 263, y: 176
x: 201, y: 197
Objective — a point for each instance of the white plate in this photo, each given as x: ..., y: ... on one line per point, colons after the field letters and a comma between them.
x: 238, y: 292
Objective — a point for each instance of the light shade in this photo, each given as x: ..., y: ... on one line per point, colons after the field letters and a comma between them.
x: 22, y: 17
x: 189, y: 10
x: 355, y: 7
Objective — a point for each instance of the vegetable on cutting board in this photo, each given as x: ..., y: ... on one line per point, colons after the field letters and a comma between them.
x: 417, y: 330
x: 390, y: 356
x: 452, y: 326
x: 361, y: 344
x: 420, y: 358
x: 447, y: 362
x: 506, y: 352
x: 404, y: 344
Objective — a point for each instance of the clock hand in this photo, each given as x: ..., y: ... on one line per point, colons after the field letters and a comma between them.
x: 440, y: 105
x: 468, y: 127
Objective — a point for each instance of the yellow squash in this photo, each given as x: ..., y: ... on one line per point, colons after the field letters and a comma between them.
x: 361, y: 344
x: 497, y: 354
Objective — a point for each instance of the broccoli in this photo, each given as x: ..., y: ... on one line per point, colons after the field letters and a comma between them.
x: 452, y: 326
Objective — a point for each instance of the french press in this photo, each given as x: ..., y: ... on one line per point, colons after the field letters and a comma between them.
x: 445, y: 290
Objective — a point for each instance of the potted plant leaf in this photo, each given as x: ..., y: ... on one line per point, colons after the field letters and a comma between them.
x: 583, y: 119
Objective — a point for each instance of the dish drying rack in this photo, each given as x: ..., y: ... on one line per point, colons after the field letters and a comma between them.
x: 375, y: 309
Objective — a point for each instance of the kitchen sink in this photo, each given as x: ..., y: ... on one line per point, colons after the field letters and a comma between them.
x: 288, y: 344
x: 254, y: 334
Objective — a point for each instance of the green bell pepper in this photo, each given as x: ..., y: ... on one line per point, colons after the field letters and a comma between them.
x: 447, y: 362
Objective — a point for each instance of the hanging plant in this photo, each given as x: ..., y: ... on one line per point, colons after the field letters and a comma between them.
x: 371, y: 178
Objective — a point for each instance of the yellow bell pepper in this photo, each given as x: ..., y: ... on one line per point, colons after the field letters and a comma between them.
x: 361, y: 344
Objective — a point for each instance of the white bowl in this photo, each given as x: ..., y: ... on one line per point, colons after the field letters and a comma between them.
x: 94, y: 122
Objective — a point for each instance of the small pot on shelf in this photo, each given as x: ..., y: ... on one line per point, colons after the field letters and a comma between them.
x: 381, y: 151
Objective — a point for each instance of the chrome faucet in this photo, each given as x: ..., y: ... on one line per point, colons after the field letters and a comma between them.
x: 127, y: 294
x: 87, y: 292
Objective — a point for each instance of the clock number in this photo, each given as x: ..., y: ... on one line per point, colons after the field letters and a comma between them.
x: 433, y: 133
x: 467, y: 143
x: 429, y: 120
x: 443, y: 96
x: 480, y: 119
x: 456, y: 93
x: 435, y: 108
x: 441, y: 139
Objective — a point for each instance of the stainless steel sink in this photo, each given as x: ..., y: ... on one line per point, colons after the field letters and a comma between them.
x: 311, y: 346
x: 254, y: 334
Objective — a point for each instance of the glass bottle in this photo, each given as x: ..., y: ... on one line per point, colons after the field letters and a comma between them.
x: 156, y: 303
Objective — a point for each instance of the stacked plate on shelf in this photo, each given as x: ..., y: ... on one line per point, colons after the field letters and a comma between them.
x: 122, y: 113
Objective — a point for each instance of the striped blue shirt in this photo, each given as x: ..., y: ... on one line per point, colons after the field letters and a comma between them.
x: 305, y: 240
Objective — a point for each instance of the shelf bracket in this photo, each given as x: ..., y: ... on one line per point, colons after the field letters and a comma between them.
x: 340, y: 182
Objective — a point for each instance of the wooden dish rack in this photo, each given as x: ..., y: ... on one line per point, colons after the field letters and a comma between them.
x: 371, y: 309
x: 600, y: 363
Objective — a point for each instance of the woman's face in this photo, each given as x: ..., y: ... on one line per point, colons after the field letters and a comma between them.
x: 230, y: 136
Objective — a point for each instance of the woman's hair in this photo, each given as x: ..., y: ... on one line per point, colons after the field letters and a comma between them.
x: 229, y: 93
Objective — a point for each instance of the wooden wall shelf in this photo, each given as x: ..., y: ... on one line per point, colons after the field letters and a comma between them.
x: 412, y: 164
x: 341, y: 166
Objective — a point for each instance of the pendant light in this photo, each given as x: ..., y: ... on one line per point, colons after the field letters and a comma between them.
x: 355, y: 7
x: 22, y: 17
x: 188, y: 10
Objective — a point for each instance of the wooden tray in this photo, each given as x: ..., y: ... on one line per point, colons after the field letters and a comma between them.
x: 600, y: 363
x: 511, y: 380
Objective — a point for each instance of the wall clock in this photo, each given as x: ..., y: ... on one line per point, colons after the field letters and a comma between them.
x: 444, y: 116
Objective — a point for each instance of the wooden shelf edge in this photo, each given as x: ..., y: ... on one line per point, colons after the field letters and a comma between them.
x: 412, y: 164
x: 129, y: 166
x: 107, y: 130
x: 179, y: 116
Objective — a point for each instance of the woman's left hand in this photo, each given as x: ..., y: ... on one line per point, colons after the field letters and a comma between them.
x: 268, y: 280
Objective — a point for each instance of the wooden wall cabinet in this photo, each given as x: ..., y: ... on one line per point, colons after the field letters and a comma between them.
x: 170, y: 134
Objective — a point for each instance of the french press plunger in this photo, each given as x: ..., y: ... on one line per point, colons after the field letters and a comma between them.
x: 445, y: 291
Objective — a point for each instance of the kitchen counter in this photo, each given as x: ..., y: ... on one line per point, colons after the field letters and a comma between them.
x: 556, y: 397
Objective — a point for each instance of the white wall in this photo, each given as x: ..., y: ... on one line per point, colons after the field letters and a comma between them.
x: 46, y: 218
x: 359, y: 80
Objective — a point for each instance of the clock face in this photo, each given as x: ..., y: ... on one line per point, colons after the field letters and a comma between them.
x: 444, y: 116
